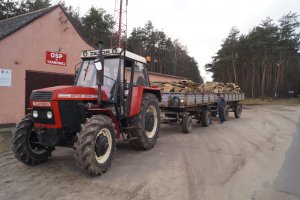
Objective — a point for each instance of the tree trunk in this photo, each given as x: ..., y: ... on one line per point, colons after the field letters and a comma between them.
x: 229, y: 78
x: 233, y: 66
x: 278, y: 73
x: 263, y: 76
x: 252, y: 84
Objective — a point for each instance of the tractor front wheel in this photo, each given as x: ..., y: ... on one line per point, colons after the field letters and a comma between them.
x: 95, y: 145
x: 147, y: 123
x: 25, y: 145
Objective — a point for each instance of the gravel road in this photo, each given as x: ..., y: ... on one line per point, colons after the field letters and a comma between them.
x: 247, y: 158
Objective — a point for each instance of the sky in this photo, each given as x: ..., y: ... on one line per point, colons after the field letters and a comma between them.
x: 200, y: 25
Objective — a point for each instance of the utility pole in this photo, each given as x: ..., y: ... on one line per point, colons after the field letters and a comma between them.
x: 119, y: 31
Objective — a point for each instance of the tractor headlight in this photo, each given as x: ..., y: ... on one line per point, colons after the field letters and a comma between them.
x: 49, y: 115
x: 35, y: 114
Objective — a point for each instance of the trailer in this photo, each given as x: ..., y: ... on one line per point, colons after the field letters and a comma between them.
x: 233, y: 104
x: 182, y: 108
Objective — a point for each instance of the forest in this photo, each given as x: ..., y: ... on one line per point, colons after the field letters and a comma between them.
x: 265, y: 62
x: 169, y: 56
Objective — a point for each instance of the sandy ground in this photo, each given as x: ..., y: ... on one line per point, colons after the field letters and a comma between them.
x: 246, y: 158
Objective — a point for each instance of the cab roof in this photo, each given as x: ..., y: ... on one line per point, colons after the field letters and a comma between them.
x: 111, y: 53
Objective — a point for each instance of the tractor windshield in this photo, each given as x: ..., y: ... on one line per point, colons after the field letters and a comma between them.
x: 87, y: 75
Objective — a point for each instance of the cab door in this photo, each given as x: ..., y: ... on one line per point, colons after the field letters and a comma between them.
x: 139, y: 80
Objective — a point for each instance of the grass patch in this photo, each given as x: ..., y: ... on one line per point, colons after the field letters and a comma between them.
x: 271, y: 101
x: 6, y: 130
x: 5, y: 135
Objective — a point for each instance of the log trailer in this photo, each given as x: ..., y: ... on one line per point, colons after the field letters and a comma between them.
x: 111, y: 99
x: 181, y: 107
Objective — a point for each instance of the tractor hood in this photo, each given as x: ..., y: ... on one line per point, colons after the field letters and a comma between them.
x: 67, y: 93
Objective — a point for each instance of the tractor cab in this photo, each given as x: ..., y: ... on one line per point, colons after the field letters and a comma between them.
x: 122, y: 71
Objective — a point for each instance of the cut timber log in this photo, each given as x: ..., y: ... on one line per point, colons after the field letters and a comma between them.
x: 186, y: 86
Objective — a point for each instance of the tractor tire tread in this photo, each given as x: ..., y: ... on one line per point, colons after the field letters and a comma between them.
x: 20, y: 145
x: 185, y: 124
x: 142, y: 142
x: 85, y: 154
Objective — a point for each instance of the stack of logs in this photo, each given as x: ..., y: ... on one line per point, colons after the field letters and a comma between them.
x: 190, y: 86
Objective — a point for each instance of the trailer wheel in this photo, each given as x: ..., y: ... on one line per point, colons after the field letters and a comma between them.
x: 214, y: 114
x: 25, y: 144
x: 226, y: 114
x: 206, y: 118
x: 95, y: 145
x: 186, y: 123
x: 238, y: 110
x: 147, y: 124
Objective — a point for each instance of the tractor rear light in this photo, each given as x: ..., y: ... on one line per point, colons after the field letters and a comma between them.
x: 49, y: 115
x: 35, y: 114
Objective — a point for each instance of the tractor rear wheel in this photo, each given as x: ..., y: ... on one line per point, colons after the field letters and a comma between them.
x: 147, y: 123
x: 26, y: 146
x: 95, y: 145
x: 206, y: 118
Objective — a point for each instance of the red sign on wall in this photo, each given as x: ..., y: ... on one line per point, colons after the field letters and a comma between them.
x: 55, y: 58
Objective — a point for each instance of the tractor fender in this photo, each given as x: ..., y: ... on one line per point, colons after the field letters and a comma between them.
x: 137, y: 96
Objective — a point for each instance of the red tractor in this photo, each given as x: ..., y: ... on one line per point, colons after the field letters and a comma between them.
x: 111, y: 99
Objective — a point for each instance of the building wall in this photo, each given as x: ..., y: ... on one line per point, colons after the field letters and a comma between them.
x: 26, y: 50
x: 155, y: 77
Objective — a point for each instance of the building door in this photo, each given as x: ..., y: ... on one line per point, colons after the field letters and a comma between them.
x: 37, y: 80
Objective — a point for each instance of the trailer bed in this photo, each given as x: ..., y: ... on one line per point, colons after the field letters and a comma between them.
x: 197, y: 99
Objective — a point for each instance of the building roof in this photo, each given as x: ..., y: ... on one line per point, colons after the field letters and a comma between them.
x: 12, y: 25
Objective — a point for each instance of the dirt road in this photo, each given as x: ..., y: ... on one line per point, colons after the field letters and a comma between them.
x: 247, y: 158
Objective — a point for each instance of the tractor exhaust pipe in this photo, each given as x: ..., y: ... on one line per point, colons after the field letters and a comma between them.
x: 99, y: 63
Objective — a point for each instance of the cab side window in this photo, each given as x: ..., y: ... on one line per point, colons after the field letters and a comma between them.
x: 128, y: 65
x: 140, y: 75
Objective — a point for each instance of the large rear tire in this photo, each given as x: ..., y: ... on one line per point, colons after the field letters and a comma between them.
x: 95, y: 145
x: 25, y: 144
x: 147, y: 124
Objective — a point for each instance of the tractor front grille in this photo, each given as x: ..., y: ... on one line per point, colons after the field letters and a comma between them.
x: 72, y: 114
x: 39, y: 95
